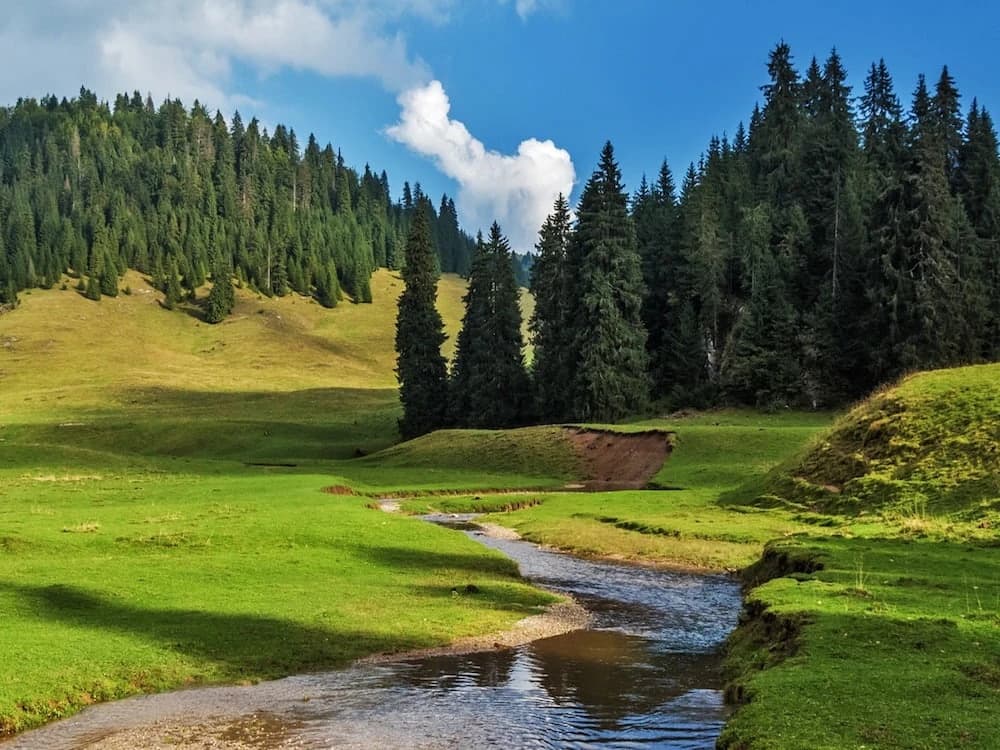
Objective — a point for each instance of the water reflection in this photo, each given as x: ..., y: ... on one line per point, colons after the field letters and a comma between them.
x: 645, y: 674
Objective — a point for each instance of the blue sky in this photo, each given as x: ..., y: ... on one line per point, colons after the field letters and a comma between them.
x: 656, y: 77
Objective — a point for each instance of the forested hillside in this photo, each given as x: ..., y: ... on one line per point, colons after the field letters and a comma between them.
x: 181, y: 195
x: 834, y: 244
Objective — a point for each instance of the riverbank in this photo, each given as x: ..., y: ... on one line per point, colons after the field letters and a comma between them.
x: 870, y: 557
x: 650, y: 657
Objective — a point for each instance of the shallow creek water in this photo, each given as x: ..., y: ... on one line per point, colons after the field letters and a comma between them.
x: 645, y: 673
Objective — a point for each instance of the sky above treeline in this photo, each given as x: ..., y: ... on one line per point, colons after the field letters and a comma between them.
x: 500, y: 103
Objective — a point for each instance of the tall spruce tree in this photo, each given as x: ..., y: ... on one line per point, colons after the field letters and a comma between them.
x: 680, y: 362
x: 550, y: 325
x: 829, y: 275
x: 655, y: 215
x: 884, y: 159
x: 979, y: 186
x: 221, y: 298
x: 421, y: 368
x: 489, y: 381
x: 924, y: 318
x: 609, y: 339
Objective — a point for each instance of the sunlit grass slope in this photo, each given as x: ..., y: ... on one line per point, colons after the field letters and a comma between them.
x: 143, y: 547
x: 928, y: 446
x: 530, y: 457
x: 281, y: 377
x: 889, y: 637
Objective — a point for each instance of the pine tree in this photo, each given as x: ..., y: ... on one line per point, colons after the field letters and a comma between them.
x: 327, y: 287
x: 489, y: 381
x: 655, y: 216
x: 924, y: 319
x: 979, y: 186
x: 550, y: 326
x: 827, y: 280
x: 945, y: 121
x: 172, y: 288
x: 421, y: 368
x: 108, y: 276
x: 885, y: 159
x: 93, y: 289
x: 221, y: 298
x: 680, y: 362
x: 609, y: 339
x: 763, y: 369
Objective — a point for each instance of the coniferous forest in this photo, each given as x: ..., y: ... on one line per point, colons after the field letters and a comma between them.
x: 182, y: 196
x: 833, y: 244
x: 836, y: 241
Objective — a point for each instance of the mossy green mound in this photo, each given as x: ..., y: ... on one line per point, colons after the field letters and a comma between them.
x: 929, y: 445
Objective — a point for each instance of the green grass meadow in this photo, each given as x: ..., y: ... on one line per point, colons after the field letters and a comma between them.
x: 162, y: 514
x: 163, y: 522
x: 869, y: 546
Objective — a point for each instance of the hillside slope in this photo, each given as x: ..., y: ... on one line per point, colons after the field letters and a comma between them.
x: 280, y: 377
x: 930, y: 444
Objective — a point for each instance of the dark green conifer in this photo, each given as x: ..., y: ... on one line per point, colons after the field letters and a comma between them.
x: 655, y: 215
x: 172, y: 291
x: 93, y: 288
x: 421, y: 368
x: 609, y: 339
x: 327, y: 287
x: 489, y: 381
x: 551, y: 329
x: 221, y: 298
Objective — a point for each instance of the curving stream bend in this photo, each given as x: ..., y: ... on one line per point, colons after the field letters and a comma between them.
x: 645, y: 673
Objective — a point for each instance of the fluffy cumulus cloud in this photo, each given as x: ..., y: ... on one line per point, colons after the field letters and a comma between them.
x: 189, y: 48
x: 517, y: 190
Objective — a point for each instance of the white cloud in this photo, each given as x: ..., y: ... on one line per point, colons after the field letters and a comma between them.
x: 188, y: 48
x: 517, y: 190
x: 525, y: 8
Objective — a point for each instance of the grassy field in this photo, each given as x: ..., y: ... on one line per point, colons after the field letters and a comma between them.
x: 140, y: 549
x: 684, y: 525
x: 870, y: 545
x: 148, y: 461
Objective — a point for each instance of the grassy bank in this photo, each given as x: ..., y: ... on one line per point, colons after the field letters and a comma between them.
x: 163, y: 522
x: 869, y: 547
x: 162, y: 519
x: 685, y: 525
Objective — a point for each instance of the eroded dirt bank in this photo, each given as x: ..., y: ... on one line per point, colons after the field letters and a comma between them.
x: 619, y: 460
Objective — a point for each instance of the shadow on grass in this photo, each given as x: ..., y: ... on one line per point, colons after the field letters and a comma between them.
x: 276, y: 427
x: 240, y: 645
x: 472, y: 562
x: 499, y: 597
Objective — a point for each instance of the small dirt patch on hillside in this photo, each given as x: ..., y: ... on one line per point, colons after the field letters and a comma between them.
x: 338, y: 489
x: 619, y: 460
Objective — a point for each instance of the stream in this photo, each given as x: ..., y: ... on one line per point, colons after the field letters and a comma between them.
x: 645, y: 673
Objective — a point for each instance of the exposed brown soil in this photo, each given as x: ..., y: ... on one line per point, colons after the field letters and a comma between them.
x: 338, y: 489
x: 619, y: 460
